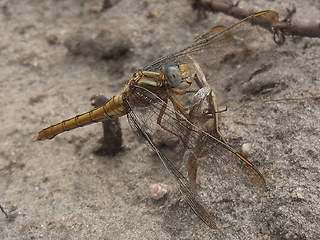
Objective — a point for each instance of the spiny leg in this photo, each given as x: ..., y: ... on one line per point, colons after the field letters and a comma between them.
x: 160, y: 116
x: 179, y: 108
x: 212, y: 124
x: 192, y: 166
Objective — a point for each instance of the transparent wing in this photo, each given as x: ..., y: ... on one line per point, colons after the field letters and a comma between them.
x: 220, y: 41
x: 216, y: 158
x: 185, y: 187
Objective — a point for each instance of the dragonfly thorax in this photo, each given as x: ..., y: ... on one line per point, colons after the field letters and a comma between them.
x: 178, y: 76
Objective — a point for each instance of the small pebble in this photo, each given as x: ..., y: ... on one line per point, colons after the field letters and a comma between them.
x: 246, y: 148
x: 158, y: 190
x: 52, y: 39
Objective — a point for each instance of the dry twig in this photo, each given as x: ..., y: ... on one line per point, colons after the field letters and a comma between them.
x: 285, y: 26
x: 2, y: 210
x: 111, y: 143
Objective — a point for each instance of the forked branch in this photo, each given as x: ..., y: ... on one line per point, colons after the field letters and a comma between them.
x: 284, y: 26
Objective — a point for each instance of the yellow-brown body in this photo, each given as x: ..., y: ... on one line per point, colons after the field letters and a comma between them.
x: 117, y: 106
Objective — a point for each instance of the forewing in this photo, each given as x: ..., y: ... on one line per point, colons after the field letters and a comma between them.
x: 220, y: 41
x: 223, y: 167
x: 191, y: 196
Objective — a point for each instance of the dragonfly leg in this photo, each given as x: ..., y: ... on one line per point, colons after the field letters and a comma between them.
x: 178, y: 107
x: 183, y: 92
x: 192, y: 166
x: 159, y: 119
x: 212, y: 124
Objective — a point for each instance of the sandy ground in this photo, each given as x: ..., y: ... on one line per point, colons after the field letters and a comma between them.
x: 54, y: 55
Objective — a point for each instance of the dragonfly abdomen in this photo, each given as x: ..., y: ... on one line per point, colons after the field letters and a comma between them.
x: 115, y: 107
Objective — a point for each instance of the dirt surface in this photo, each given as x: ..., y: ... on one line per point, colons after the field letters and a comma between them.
x: 54, y: 55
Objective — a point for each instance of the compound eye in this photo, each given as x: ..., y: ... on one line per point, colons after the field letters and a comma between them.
x: 173, y: 75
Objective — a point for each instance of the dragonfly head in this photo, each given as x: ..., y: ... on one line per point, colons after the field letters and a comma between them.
x: 179, y: 76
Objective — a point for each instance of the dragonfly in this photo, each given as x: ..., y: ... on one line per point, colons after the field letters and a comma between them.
x: 151, y: 102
